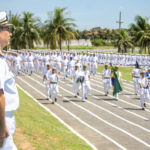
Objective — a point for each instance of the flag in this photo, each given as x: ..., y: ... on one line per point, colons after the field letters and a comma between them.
x: 116, y: 84
x: 137, y: 64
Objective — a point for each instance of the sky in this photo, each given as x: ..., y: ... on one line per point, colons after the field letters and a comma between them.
x: 86, y: 13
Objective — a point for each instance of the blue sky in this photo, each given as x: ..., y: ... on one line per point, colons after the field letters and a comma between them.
x: 87, y: 13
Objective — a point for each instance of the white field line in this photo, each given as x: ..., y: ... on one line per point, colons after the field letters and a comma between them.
x: 113, y: 97
x: 74, y: 116
x: 106, y: 110
x: 106, y: 122
x: 58, y: 118
x: 108, y: 102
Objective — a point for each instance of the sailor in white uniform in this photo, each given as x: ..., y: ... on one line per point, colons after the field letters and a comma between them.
x: 106, y: 74
x: 144, y: 89
x: 85, y: 82
x: 9, y: 99
x: 46, y: 74
x: 53, y: 81
x: 136, y: 77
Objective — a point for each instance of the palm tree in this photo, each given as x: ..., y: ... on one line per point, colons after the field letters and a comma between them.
x: 57, y: 28
x: 25, y: 31
x: 123, y: 41
x: 141, y: 33
x: 30, y: 32
x: 16, y: 31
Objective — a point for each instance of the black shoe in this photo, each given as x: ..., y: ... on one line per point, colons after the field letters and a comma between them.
x: 144, y: 105
x: 105, y: 94
x: 75, y: 96
x: 143, y: 108
x: 86, y: 98
x: 52, y: 102
x: 78, y: 94
x: 55, y: 99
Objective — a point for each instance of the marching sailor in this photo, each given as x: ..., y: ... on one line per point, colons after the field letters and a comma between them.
x: 136, y: 77
x: 85, y: 82
x: 106, y: 73
x: 76, y: 80
x: 53, y: 81
x: 144, y: 89
x: 46, y: 74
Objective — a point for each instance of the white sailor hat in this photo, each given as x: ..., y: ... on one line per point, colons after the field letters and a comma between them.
x: 4, y: 19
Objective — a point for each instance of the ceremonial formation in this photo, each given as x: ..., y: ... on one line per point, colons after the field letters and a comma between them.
x: 83, y: 90
x: 79, y: 68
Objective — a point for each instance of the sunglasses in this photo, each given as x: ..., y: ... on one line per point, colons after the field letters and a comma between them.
x: 5, y: 28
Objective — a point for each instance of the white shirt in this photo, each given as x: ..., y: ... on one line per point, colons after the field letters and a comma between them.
x: 7, y: 83
x: 106, y: 73
x: 136, y: 72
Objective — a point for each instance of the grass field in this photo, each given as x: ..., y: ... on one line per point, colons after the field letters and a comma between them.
x: 36, y: 129
x: 126, y: 72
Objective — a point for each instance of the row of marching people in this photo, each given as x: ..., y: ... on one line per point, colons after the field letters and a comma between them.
x: 28, y: 61
x: 141, y: 77
x: 80, y: 78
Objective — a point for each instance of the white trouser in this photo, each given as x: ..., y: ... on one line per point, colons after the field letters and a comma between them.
x: 36, y: 65
x: 10, y: 123
x: 76, y: 87
x: 94, y: 68
x: 58, y: 67
x: 136, y: 85
x: 116, y: 96
x: 144, y: 96
x: 70, y: 71
x: 25, y: 67
x: 86, y: 88
x: 65, y: 71
x: 107, y: 85
x: 47, y: 90
x: 54, y: 91
x: 17, y: 68
x: 30, y: 68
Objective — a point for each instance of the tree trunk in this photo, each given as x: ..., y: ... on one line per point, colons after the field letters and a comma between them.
x: 60, y: 41
x: 68, y: 45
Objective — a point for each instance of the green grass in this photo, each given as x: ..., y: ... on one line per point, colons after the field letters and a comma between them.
x: 38, y: 130
x: 126, y: 72
x: 80, y: 47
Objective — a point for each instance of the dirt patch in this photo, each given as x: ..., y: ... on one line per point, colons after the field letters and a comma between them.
x: 21, y: 140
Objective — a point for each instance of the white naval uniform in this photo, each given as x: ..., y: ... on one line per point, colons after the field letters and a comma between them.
x: 136, y: 77
x: 107, y: 81
x: 30, y: 64
x: 65, y: 66
x: 7, y: 83
x: 76, y: 83
x: 86, y: 87
x: 47, y: 73
x: 144, y: 91
x: 17, y: 63
x: 94, y: 65
x: 53, y: 86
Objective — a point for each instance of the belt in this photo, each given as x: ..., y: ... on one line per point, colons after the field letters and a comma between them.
x: 53, y: 82
x: 136, y: 77
x: 106, y: 77
x: 145, y: 87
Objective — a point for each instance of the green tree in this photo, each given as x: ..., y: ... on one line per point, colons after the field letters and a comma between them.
x: 58, y: 28
x: 25, y: 31
x: 123, y: 41
x: 141, y: 33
